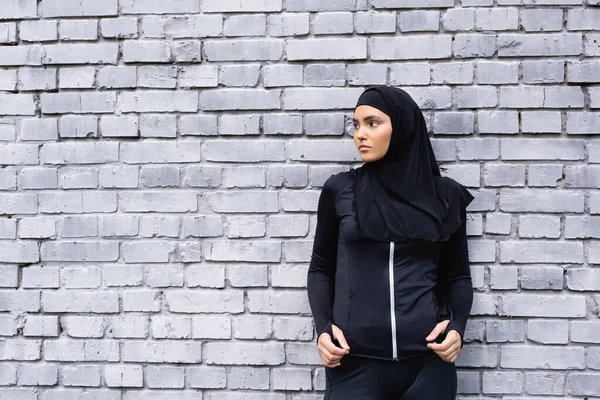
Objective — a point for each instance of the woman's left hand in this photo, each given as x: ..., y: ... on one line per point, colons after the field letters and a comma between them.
x: 448, y: 350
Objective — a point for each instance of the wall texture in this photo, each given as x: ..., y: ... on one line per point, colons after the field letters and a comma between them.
x: 161, y: 163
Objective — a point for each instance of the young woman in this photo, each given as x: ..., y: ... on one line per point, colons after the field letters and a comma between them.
x: 390, y: 241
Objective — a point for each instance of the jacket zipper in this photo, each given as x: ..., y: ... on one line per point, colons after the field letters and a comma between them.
x: 392, y: 305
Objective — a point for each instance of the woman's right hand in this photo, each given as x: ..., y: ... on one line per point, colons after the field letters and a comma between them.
x: 329, y: 352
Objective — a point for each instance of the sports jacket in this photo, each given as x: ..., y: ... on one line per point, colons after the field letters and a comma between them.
x: 384, y: 296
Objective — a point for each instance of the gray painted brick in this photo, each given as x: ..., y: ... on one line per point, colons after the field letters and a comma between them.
x: 419, y: 21
x: 459, y: 19
x: 415, y: 47
x: 288, y: 24
x: 542, y: 20
x: 375, y: 22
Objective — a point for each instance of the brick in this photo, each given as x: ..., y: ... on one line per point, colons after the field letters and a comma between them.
x: 20, y: 55
x: 240, y: 99
x: 243, y: 251
x: 502, y: 382
x: 583, y: 122
x: 582, y: 384
x: 498, y: 122
x: 119, y: 28
x: 17, y: 104
x: 244, y: 353
x: 239, y: 75
x: 327, y: 49
x: 211, y: 327
x: 497, y: 19
x: 548, y: 331
x: 123, y: 375
x: 410, y: 74
x: 84, y: 29
x: 415, y: 47
x: 313, y: 99
x: 77, y: 78
x: 205, y: 300
x: 206, y: 377
x: 38, y: 31
x: 242, y: 6
x: 412, y: 4
x: 459, y: 19
x: 542, y: 20
x: 80, y: 53
x: 476, y: 97
x: 367, y: 74
x: 245, y: 25
x: 583, y: 19
x: 76, y: 8
x: 321, y: 5
x: 473, y: 45
x: 158, y: 126
x: 538, y: 226
x: 554, y: 44
x: 530, y: 357
x: 79, y: 103
x: 157, y: 77
x: 243, y: 151
x: 146, y: 51
x: 159, y: 101
x: 328, y: 150
x: 19, y: 9
x: 38, y: 375
x: 492, y: 72
x: 419, y: 21
x: 122, y: 126
x: 277, y: 124
x: 534, y: 305
x: 453, y: 73
x: 458, y: 123
x: 39, y: 129
x: 375, y: 22
x: 117, y: 77
x: 243, y: 50
x: 159, y: 7
x: 164, y: 351
x: 540, y: 149
x: 164, y: 377
x: 527, y: 252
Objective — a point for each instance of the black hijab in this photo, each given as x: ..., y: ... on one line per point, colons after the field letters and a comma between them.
x: 402, y: 196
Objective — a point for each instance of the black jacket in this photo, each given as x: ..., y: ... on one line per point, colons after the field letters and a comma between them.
x: 384, y: 296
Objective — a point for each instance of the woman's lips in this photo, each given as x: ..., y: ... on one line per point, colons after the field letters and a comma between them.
x: 364, y: 148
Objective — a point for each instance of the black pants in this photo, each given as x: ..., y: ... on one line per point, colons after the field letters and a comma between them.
x: 424, y: 377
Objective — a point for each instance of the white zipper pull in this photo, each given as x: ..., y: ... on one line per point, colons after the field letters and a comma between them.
x: 392, y: 303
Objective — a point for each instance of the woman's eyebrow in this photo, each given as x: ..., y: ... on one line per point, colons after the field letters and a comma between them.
x: 368, y: 117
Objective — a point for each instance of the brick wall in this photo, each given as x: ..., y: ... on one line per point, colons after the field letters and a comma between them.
x: 162, y: 162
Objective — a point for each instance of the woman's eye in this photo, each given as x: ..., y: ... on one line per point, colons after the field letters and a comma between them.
x: 374, y: 122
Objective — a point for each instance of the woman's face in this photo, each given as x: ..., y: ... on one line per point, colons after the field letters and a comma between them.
x: 372, y: 132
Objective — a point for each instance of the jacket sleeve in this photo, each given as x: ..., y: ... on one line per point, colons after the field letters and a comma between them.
x: 321, y: 271
x: 455, y: 273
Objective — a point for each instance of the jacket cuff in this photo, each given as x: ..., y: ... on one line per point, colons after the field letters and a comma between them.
x: 457, y: 324
x: 327, y: 329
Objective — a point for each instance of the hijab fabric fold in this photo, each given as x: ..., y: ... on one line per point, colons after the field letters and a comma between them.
x: 403, y: 196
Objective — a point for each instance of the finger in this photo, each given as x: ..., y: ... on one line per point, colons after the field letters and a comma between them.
x: 331, y: 356
x: 434, y: 333
x: 333, y: 349
x: 438, y: 346
x: 327, y: 357
x: 342, y: 340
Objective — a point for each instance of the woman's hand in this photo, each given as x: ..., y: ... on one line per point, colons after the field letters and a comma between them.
x: 329, y: 352
x: 448, y: 350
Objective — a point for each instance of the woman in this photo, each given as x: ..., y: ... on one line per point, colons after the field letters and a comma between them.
x: 390, y: 241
